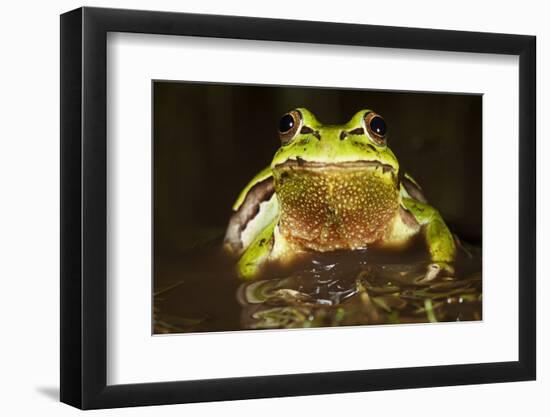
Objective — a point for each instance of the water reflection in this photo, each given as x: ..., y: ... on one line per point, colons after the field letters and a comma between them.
x: 344, y: 292
x: 337, y: 289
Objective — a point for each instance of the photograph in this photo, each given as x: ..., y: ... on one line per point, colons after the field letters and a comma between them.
x: 271, y: 209
x: 293, y: 207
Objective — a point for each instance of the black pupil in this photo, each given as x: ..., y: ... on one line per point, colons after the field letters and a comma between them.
x: 378, y: 125
x: 286, y: 123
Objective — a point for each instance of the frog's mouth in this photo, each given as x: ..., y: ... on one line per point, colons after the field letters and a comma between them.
x: 300, y: 163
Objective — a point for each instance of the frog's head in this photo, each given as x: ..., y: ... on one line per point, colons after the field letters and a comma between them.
x: 337, y: 184
x: 360, y: 142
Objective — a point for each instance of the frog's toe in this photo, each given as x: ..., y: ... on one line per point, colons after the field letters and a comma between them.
x: 436, y: 269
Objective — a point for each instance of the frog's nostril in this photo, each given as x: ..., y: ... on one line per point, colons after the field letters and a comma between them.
x: 343, y: 134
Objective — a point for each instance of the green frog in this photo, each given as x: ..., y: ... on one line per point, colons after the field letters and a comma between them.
x: 328, y: 188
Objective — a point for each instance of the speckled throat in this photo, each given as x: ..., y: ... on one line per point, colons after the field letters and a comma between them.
x: 326, y: 207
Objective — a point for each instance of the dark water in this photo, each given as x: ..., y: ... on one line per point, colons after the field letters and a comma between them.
x: 199, y: 292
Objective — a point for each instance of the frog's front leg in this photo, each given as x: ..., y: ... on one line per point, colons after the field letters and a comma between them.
x: 268, y: 246
x: 439, y: 239
x: 257, y: 252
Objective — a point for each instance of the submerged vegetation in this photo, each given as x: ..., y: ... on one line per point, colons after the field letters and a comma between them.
x: 336, y: 289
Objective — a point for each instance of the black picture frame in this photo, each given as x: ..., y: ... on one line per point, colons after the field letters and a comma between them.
x: 83, y: 207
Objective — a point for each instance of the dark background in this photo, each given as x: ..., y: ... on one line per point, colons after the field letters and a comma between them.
x: 210, y: 140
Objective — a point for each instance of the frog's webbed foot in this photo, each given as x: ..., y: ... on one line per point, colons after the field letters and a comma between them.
x: 439, y: 239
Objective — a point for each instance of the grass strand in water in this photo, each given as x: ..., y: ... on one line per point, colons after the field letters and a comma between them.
x: 430, y: 310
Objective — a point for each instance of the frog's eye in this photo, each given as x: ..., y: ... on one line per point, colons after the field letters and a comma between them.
x: 376, y: 128
x: 289, y: 124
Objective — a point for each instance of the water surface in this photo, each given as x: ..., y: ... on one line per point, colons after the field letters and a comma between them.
x: 198, y: 291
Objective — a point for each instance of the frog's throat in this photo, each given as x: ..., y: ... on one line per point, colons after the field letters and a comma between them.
x: 326, y: 207
x: 300, y: 163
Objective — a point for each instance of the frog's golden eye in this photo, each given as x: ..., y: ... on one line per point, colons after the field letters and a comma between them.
x: 376, y: 127
x: 289, y: 124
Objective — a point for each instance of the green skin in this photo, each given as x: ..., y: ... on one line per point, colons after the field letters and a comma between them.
x: 332, y: 187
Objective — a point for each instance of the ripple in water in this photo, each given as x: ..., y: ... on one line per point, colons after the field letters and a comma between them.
x: 343, y: 288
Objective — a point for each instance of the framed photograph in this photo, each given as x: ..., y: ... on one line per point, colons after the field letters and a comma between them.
x: 257, y: 208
